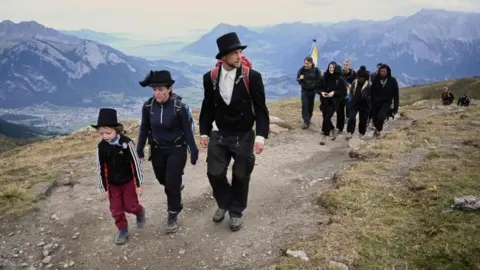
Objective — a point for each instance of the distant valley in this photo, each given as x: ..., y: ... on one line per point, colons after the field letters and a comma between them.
x: 63, y: 76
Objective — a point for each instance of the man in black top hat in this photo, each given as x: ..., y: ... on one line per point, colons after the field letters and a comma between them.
x: 235, y: 104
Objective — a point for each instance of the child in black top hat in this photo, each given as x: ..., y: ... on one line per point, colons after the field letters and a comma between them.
x: 119, y: 172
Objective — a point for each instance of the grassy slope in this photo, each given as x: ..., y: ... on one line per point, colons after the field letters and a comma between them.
x: 22, y: 167
x: 385, y: 221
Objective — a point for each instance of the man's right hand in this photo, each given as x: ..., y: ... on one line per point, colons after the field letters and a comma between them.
x: 204, y: 142
x: 301, y: 77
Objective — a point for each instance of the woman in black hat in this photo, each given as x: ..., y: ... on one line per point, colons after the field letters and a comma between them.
x: 166, y: 124
x: 119, y: 172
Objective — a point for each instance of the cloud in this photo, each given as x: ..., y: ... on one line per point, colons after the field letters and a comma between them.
x: 162, y: 19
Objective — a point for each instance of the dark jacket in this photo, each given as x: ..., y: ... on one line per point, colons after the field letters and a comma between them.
x: 385, y: 94
x: 350, y: 76
x: 334, y: 82
x: 118, y: 164
x: 360, y: 94
x: 464, y: 100
x: 447, y: 98
x: 312, y: 79
x: 244, y: 110
x: 165, y: 125
x: 372, y: 76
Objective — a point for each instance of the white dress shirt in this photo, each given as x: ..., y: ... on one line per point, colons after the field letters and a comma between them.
x: 225, y: 85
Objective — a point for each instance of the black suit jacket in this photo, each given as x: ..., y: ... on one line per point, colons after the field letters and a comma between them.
x: 237, y: 117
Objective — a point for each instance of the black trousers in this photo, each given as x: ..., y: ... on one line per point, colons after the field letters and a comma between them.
x: 363, y: 117
x: 327, y: 109
x: 221, y: 149
x: 340, y: 110
x: 379, y: 113
x: 308, y: 103
x: 168, y: 165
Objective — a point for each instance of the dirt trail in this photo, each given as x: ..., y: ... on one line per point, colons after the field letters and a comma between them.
x: 76, y: 229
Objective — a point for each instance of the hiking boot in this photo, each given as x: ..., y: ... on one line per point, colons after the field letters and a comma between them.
x: 306, y: 125
x: 334, y: 134
x: 361, y: 136
x: 141, y: 219
x: 235, y: 223
x: 172, y: 226
x: 121, y: 237
x: 219, y: 215
x: 376, y: 134
x: 349, y: 136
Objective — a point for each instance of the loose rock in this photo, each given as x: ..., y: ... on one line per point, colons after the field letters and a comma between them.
x: 300, y: 254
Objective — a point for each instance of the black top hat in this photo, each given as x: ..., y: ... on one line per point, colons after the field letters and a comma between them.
x: 158, y: 78
x: 107, y: 118
x: 228, y: 43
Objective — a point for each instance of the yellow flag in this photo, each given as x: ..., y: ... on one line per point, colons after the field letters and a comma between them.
x: 314, y: 52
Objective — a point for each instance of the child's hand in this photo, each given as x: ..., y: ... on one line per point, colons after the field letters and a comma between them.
x: 139, y: 191
x: 104, y: 196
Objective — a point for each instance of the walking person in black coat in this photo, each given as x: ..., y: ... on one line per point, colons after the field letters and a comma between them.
x: 235, y: 100
x: 166, y: 125
x: 359, y: 102
x: 384, y: 90
x: 332, y: 99
x: 309, y: 77
x: 349, y: 75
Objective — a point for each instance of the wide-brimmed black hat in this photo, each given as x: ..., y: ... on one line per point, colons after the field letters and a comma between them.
x: 228, y: 43
x: 107, y: 117
x: 158, y: 78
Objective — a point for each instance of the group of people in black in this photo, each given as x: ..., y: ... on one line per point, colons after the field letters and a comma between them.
x: 234, y: 102
x: 345, y: 92
x: 448, y: 97
x: 234, y: 99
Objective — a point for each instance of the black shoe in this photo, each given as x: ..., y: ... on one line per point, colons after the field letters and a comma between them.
x: 306, y: 125
x: 172, y: 226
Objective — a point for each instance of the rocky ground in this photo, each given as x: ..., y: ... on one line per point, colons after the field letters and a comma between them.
x: 73, y: 229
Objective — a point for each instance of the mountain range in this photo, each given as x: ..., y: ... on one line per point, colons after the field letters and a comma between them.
x: 83, y: 68
x: 430, y: 45
x: 40, y: 64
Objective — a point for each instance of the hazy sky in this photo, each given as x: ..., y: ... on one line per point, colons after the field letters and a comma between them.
x: 162, y: 18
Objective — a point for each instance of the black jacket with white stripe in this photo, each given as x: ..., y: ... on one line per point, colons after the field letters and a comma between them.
x: 118, y: 164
